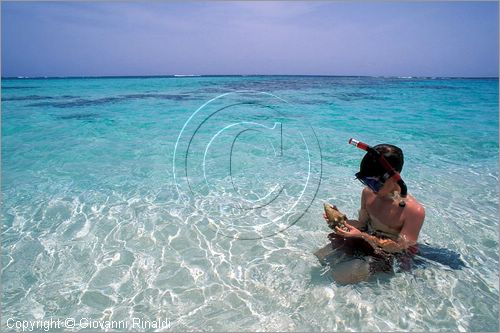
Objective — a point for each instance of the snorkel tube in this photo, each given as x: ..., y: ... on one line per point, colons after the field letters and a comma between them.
x: 387, y: 166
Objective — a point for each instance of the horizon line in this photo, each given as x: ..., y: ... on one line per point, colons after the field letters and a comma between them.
x: 21, y: 77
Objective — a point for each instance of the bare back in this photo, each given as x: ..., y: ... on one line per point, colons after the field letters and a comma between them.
x: 384, y: 216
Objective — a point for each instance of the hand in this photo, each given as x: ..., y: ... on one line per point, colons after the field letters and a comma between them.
x: 351, y: 233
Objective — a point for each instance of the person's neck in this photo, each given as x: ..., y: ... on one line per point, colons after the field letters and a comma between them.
x: 393, y: 195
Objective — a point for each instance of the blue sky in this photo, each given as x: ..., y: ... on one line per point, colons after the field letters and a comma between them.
x: 315, y: 38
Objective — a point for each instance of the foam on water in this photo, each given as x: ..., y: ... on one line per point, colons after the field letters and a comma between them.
x: 94, y: 226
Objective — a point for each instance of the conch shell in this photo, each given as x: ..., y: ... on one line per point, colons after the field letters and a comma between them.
x: 335, y: 217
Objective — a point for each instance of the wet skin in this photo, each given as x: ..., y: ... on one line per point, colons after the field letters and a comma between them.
x: 397, y: 227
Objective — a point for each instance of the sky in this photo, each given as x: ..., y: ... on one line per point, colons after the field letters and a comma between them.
x: 214, y: 37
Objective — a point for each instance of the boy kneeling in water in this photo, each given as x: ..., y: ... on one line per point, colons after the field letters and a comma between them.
x: 389, y: 219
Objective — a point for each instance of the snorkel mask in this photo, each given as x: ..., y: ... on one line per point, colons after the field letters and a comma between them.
x: 376, y: 183
x: 373, y: 183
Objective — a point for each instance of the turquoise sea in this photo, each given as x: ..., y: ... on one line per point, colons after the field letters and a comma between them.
x: 198, y: 201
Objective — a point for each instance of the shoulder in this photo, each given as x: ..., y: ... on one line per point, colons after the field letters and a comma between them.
x: 414, y: 210
x: 366, y: 193
x: 414, y: 215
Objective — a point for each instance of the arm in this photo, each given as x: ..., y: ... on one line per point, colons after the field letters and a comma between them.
x: 378, y: 244
x: 413, y: 223
x: 387, y: 245
x: 363, y: 216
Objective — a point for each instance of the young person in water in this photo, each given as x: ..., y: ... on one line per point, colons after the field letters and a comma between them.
x: 389, y: 220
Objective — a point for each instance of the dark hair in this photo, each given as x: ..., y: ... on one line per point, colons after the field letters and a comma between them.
x: 370, y: 167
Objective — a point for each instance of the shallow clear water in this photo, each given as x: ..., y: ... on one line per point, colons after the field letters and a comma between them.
x: 101, y: 220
